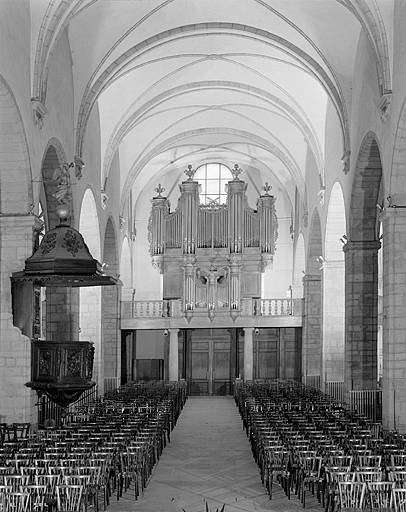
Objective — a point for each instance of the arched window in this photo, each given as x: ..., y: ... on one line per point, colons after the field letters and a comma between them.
x: 213, y: 179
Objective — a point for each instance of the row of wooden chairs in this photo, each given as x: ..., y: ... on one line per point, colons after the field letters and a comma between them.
x: 105, y: 454
x: 298, y: 435
x: 69, y: 498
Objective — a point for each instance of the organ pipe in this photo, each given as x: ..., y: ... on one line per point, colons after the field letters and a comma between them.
x: 236, y: 201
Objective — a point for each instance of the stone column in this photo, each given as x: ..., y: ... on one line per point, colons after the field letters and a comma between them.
x: 312, y: 329
x: 111, y: 335
x: 173, y: 355
x: 394, y: 319
x: 361, y: 314
x: 16, y: 245
x: 333, y: 321
x: 248, y: 354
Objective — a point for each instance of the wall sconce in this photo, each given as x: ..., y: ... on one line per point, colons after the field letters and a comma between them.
x: 256, y: 331
x: 166, y: 332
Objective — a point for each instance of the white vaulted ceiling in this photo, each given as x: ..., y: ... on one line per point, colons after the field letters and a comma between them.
x: 180, y: 82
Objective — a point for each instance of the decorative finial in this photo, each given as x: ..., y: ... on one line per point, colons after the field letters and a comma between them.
x: 266, y: 188
x: 159, y: 190
x: 190, y: 172
x: 236, y: 172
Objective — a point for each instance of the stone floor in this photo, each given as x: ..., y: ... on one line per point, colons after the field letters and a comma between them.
x: 208, y: 461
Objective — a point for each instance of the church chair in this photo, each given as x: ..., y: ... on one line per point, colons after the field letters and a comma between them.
x: 50, y: 482
x: 94, y: 473
x: 399, y: 499
x: 310, y: 476
x: 69, y: 498
x: 85, y: 482
x: 398, y: 459
x: 20, y: 431
x: 352, y: 496
x: 368, y: 476
x: 16, y: 481
x: 379, y: 496
x: 278, y: 469
x: 37, y: 495
x: 15, y: 502
x: 332, y: 478
x: 398, y: 478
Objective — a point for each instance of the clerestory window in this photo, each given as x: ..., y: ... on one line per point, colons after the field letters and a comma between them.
x: 213, y: 178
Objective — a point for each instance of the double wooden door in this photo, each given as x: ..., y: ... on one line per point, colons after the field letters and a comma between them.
x: 211, y: 361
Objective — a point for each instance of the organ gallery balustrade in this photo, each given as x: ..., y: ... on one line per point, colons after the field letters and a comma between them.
x: 174, y: 308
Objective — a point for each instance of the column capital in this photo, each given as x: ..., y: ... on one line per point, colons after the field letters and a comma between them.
x: 311, y: 277
x: 363, y: 245
x: 327, y: 264
x: 392, y: 213
x: 19, y: 220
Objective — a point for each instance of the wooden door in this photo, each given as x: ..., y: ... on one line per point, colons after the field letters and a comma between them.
x: 277, y: 353
x: 211, y: 362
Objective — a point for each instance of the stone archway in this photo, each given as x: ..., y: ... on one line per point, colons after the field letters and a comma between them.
x: 60, y: 323
x: 17, y: 228
x: 361, y: 270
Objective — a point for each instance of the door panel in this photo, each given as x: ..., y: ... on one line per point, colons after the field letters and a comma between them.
x: 277, y: 353
x: 211, y: 362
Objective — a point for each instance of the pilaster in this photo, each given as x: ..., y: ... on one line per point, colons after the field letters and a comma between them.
x: 312, y: 327
x: 333, y: 321
x: 17, y: 233
x: 173, y: 355
x: 394, y: 318
x: 361, y: 314
x: 248, y: 354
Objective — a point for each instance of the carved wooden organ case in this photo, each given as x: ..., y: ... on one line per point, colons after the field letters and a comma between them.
x: 212, y: 255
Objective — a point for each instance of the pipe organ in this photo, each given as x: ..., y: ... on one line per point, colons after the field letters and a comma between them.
x: 212, y: 255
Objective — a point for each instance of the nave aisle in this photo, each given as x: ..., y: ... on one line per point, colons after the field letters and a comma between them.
x: 208, y: 460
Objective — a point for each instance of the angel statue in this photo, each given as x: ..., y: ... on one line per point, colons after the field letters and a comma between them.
x: 63, y: 192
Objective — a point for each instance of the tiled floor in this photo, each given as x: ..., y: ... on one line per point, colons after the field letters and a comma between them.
x: 208, y: 461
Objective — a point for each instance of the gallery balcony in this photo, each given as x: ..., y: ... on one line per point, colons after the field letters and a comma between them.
x: 157, y: 314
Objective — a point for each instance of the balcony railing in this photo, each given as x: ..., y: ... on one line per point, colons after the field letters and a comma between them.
x: 174, y: 308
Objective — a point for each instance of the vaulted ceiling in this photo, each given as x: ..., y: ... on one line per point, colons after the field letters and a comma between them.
x: 179, y: 82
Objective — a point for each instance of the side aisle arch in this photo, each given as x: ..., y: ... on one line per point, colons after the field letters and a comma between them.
x: 361, y: 270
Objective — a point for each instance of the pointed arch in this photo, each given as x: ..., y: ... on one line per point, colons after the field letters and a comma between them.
x: 366, y: 191
x: 126, y: 270
x: 299, y: 266
x: 54, y: 156
x: 16, y: 192
x: 315, y: 246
